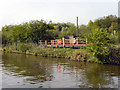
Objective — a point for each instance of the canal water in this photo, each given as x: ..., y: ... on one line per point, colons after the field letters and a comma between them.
x: 20, y: 71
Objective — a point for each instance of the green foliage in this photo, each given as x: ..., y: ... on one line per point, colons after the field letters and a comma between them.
x: 90, y: 23
x: 70, y: 30
x: 101, y: 34
x: 26, y: 32
x: 114, y: 55
x: 100, y: 44
x: 105, y: 22
x: 35, y: 30
x: 113, y: 28
x: 22, y: 47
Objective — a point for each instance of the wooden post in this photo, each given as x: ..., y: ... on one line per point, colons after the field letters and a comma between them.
x: 77, y: 40
x: 58, y: 42
x: 45, y: 42
x: 63, y: 42
x: 77, y: 26
x: 40, y: 42
x: 69, y: 41
x: 51, y: 42
x: 86, y: 40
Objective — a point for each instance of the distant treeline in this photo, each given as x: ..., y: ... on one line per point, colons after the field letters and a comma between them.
x: 36, y: 30
x: 103, y: 35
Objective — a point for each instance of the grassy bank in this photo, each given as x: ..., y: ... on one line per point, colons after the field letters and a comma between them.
x: 81, y: 55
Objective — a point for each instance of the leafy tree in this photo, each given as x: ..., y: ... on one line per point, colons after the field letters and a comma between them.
x: 90, y: 23
x: 69, y: 30
x: 6, y: 38
x: 113, y: 28
x: 105, y: 22
x: 38, y: 30
x: 100, y: 43
x: 35, y: 30
x: 83, y: 31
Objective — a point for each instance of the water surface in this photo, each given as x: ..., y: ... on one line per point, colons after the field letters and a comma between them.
x: 20, y: 71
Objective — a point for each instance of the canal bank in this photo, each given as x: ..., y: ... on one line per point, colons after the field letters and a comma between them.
x: 72, y: 54
x: 82, y: 54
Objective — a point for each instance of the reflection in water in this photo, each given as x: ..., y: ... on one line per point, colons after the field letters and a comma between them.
x: 28, y: 66
x: 61, y: 68
x: 38, y: 72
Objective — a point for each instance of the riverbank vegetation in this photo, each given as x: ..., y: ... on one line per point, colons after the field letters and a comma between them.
x: 103, y: 36
x: 68, y: 53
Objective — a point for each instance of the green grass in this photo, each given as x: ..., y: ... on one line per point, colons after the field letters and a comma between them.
x: 71, y: 54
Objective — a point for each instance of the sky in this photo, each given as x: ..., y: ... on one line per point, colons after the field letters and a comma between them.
x: 19, y: 11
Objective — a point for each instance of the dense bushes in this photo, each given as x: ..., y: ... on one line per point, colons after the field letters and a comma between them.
x: 33, y: 49
x: 102, y: 35
x: 113, y: 57
x: 101, y: 44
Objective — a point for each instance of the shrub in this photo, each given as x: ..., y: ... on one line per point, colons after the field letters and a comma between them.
x: 100, y: 44
x: 22, y: 47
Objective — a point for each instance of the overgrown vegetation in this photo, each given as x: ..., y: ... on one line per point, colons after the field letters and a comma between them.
x: 103, y: 36
x: 34, y: 49
x: 100, y: 44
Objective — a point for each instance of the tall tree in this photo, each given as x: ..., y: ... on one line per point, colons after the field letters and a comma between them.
x: 100, y: 43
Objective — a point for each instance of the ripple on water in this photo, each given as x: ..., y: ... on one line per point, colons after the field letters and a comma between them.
x: 33, y: 72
